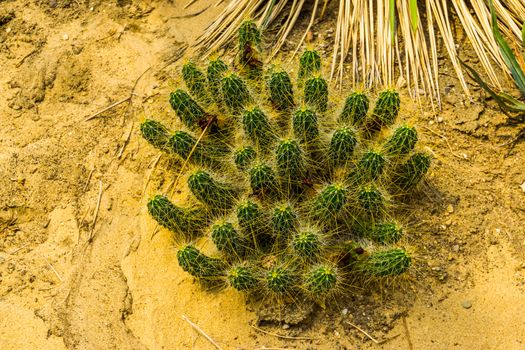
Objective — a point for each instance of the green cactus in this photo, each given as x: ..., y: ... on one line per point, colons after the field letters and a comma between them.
x: 257, y: 127
x: 216, y: 71
x: 188, y: 111
x: 249, y: 44
x: 310, y: 194
x: 249, y: 215
x: 249, y: 35
x: 244, y: 157
x: 386, y: 110
x: 155, y: 133
x: 215, y: 195
x: 284, y: 219
x: 199, y: 265
x: 305, y: 125
x: 242, y: 278
x: 321, y: 280
x: 280, y: 280
x: 291, y: 165
x: 371, y: 200
x: 182, y: 144
x: 402, y: 141
x: 342, y: 146
x: 355, y: 109
x: 281, y: 90
x: 390, y: 262
x: 408, y: 174
x: 316, y: 93
x: 371, y: 165
x: 262, y: 179
x: 307, y: 245
x: 184, y: 222
x: 309, y: 64
x: 330, y: 201
x: 195, y: 81
x: 235, y: 92
x: 386, y: 233
x: 227, y: 239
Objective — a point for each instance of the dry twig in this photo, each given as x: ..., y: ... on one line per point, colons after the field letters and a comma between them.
x: 201, y: 332
x: 154, y: 166
x: 93, y: 116
x: 446, y: 140
x: 126, y: 141
x: 405, y: 324
x: 52, y: 268
x: 18, y: 249
x: 90, y: 239
x: 378, y: 342
x: 279, y: 335
x: 88, y: 179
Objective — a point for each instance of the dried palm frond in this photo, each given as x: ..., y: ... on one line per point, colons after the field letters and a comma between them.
x: 512, y: 60
x: 386, y: 39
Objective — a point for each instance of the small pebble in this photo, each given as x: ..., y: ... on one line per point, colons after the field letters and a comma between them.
x: 286, y: 326
x: 65, y: 37
x: 467, y: 304
x: 440, y: 119
x: 345, y: 311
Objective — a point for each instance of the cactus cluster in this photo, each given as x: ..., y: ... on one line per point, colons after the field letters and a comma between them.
x: 301, y: 191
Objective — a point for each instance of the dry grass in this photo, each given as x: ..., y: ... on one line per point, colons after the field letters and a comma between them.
x: 385, y: 40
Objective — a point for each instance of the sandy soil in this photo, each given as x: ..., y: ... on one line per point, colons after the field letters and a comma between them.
x: 65, y: 283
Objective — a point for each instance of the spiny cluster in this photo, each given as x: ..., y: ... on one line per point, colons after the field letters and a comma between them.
x: 296, y: 192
